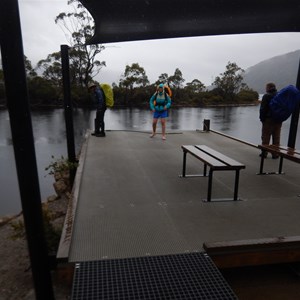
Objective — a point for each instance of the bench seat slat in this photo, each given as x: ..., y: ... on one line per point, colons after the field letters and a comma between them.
x: 279, y: 148
x: 285, y: 152
x: 209, y: 160
x: 288, y: 150
x: 225, y: 159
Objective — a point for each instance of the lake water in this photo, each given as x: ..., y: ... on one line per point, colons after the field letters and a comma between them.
x: 50, y: 137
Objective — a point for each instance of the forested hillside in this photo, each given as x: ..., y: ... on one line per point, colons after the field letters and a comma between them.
x: 282, y: 70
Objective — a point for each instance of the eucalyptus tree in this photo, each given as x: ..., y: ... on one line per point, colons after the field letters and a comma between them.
x: 30, y: 72
x: 78, y: 27
x: 231, y: 81
x: 134, y: 76
x: 195, y: 86
x: 163, y: 78
x: 133, y: 84
x: 51, y: 68
x: 176, y: 80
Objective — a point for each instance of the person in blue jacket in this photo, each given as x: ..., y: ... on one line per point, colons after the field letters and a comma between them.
x: 160, y: 102
x: 99, y: 99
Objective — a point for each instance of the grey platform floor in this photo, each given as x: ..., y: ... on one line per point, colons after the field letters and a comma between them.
x: 131, y: 201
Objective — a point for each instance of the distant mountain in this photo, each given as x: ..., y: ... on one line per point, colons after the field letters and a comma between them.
x: 282, y: 70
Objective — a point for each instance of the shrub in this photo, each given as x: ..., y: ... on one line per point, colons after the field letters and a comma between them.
x: 52, y: 234
x: 60, y: 165
x: 246, y: 96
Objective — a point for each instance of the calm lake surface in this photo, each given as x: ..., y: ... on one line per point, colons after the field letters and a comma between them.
x: 50, y: 137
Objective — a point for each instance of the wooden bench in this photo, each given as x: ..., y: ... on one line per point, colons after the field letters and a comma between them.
x: 282, y: 152
x: 254, y: 252
x: 216, y: 161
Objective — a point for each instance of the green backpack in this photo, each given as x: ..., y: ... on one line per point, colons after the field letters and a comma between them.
x: 108, y: 93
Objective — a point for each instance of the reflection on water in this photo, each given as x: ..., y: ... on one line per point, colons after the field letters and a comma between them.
x: 50, y: 137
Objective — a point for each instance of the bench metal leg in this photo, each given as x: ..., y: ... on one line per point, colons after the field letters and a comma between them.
x: 236, y: 185
x: 210, y: 177
x: 205, y: 170
x: 262, y: 160
x: 191, y: 175
x: 280, y: 165
x: 184, y: 164
x: 261, y: 169
x: 236, y: 188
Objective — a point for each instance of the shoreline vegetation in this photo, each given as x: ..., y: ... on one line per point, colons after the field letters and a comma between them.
x: 174, y: 106
x: 135, y: 91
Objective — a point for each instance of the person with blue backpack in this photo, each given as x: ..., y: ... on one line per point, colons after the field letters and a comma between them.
x: 270, y: 127
x: 160, y: 102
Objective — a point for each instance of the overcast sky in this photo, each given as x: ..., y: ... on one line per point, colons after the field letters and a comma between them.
x: 201, y: 58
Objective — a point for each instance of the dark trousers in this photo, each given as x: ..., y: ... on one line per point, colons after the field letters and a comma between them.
x: 99, y: 121
x: 270, y: 129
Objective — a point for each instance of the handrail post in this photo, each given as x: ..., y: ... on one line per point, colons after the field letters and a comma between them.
x: 23, y: 144
x: 68, y: 109
x: 294, y: 118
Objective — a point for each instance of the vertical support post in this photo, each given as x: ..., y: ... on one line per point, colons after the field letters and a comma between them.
x: 68, y: 108
x: 23, y: 143
x: 206, y: 125
x: 294, y: 118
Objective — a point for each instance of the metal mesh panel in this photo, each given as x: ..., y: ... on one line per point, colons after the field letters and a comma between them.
x: 182, y: 276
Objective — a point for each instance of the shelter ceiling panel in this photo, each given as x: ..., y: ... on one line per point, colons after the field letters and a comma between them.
x: 120, y: 20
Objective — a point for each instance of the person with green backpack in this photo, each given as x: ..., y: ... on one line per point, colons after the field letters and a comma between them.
x: 99, y: 99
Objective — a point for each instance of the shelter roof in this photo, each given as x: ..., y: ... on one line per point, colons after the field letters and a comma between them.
x: 131, y: 20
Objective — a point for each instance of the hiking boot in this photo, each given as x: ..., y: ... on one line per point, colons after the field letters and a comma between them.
x: 263, y: 154
x: 95, y: 133
x: 101, y: 134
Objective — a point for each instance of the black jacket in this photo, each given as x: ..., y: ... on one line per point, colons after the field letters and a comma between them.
x: 264, y: 111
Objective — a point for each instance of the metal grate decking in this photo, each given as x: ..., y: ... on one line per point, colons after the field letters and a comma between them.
x: 133, y: 217
x: 181, y: 276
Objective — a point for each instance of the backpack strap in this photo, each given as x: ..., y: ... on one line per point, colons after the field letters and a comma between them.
x: 166, y: 98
